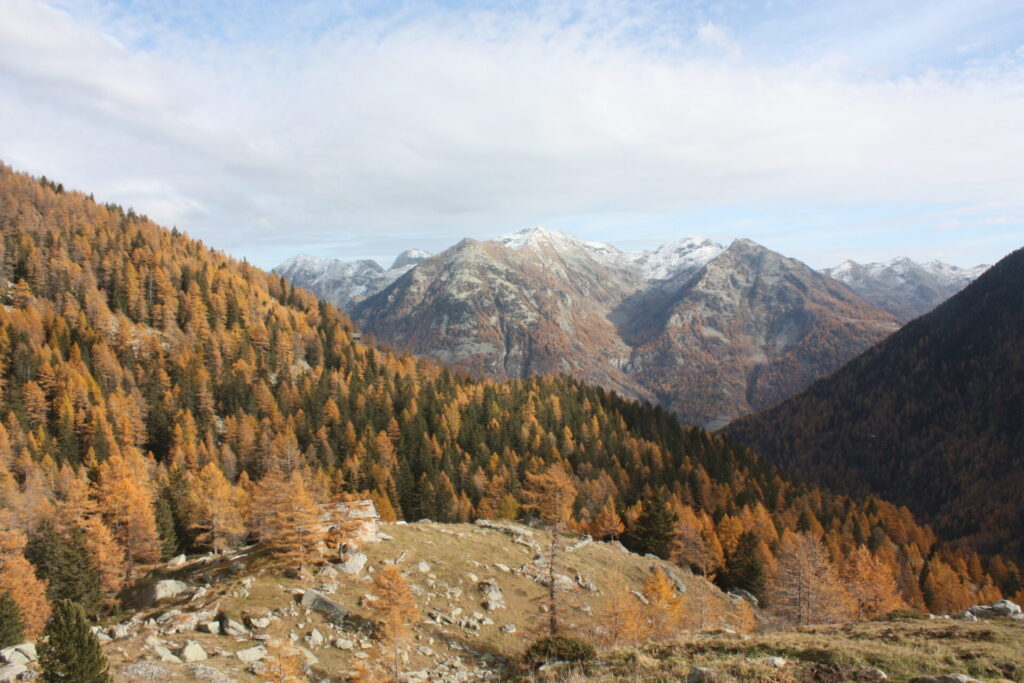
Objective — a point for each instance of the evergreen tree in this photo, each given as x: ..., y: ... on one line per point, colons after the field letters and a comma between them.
x: 744, y: 566
x: 654, y: 531
x: 165, y: 525
x: 70, y: 652
x: 12, y: 626
x: 65, y: 563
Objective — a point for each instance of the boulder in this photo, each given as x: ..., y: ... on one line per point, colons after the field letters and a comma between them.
x: 351, y: 563
x: 209, y: 627
x: 944, y: 678
x: 422, y: 567
x: 252, y: 654
x: 11, y: 655
x: 741, y: 594
x: 1005, y: 608
x: 177, y: 561
x: 166, y: 655
x: 320, y: 603
x: 153, y: 593
x: 776, y: 662
x: 192, y: 652
x: 493, y: 597
x: 344, y: 644
x: 11, y: 672
x: 315, y: 638
x: 508, y: 628
x: 260, y: 622
x: 230, y: 627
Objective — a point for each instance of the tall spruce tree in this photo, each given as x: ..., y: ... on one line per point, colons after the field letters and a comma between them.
x: 70, y: 652
x: 653, y: 530
x: 12, y: 625
x: 744, y: 566
x: 64, y: 561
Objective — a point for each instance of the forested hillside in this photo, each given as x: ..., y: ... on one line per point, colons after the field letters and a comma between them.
x: 159, y: 396
x: 931, y: 417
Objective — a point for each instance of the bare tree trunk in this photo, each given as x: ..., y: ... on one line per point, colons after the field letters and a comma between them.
x: 553, y: 603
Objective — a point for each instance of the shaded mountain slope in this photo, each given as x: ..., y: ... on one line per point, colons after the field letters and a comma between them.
x: 932, y: 417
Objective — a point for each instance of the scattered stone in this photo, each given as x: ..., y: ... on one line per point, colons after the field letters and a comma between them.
x: 740, y: 594
x: 329, y: 608
x: 585, y: 583
x: 252, y: 654
x: 315, y: 638
x: 583, y: 541
x: 422, y: 567
x: 351, y: 563
x: 472, y: 577
x: 699, y: 674
x: 776, y: 662
x: 192, y: 652
x: 209, y: 627
x: 502, y: 567
x: 146, y: 671
x: 230, y: 627
x: 153, y: 593
x: 22, y: 653
x: 178, y: 561
x: 203, y: 672
x: 945, y: 678
x: 493, y: 597
x: 425, y: 651
x: 344, y: 644
x: 166, y: 655
x: 872, y: 674
x: 508, y: 628
x: 260, y: 622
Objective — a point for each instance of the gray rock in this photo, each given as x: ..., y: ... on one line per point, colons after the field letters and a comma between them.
x: 209, y: 627
x: 1006, y: 608
x: 147, y: 671
x: 945, y: 678
x: 315, y: 638
x: 319, y: 602
x: 744, y: 595
x: 260, y: 622
x: 344, y: 644
x: 351, y: 563
x: 252, y: 654
x: 11, y: 672
x: 968, y: 616
x: 233, y: 628
x: 425, y: 651
x: 168, y: 588
x: 166, y: 655
x: 872, y: 674
x: 27, y: 650
x: 177, y: 561
x: 776, y: 662
x: 192, y: 652
x: 422, y: 567
x: 508, y: 628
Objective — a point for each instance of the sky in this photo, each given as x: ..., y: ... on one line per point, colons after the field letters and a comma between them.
x: 824, y: 130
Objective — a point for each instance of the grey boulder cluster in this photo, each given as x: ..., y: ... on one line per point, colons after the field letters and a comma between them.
x: 1000, y: 608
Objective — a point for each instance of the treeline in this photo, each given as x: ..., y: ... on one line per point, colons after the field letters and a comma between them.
x: 159, y: 397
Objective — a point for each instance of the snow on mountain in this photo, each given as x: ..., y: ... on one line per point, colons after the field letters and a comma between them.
x: 903, y: 287
x: 343, y: 282
x: 672, y: 258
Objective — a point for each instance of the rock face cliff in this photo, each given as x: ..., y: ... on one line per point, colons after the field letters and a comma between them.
x: 710, y: 332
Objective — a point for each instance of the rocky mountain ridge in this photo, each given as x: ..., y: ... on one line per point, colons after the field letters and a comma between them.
x: 708, y: 331
x: 903, y: 287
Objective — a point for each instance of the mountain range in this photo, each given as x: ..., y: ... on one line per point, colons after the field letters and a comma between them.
x: 708, y: 331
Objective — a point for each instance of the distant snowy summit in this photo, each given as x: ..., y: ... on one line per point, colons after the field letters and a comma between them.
x: 343, y: 282
x: 903, y: 287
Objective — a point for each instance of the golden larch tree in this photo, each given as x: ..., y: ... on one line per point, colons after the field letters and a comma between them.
x: 396, y: 609
x: 18, y: 577
x: 551, y: 495
x: 126, y: 504
x: 871, y: 583
x: 623, y: 616
x: 806, y: 588
x: 664, y: 604
x: 289, y: 517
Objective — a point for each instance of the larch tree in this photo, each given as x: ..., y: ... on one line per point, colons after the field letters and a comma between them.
x: 806, y: 588
x: 289, y: 518
x: 624, y: 616
x: 213, y: 510
x: 664, y: 604
x: 551, y: 495
x: 126, y: 501
x: 871, y: 584
x: 396, y: 608
x: 607, y: 523
x: 19, y: 577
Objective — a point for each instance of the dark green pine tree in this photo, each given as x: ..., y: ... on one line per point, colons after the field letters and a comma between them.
x: 12, y: 626
x: 165, y: 525
x: 654, y: 530
x: 744, y: 569
x: 65, y: 562
x: 69, y: 651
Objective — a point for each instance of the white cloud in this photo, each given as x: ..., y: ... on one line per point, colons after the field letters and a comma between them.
x: 419, y: 128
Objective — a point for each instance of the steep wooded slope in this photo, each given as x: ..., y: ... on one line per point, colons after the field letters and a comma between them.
x: 933, y: 417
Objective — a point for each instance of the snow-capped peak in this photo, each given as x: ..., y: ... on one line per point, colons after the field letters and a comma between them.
x: 672, y: 258
x: 563, y: 243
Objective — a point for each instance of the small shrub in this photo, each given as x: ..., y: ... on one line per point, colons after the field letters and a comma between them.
x: 898, y: 614
x: 558, y: 648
